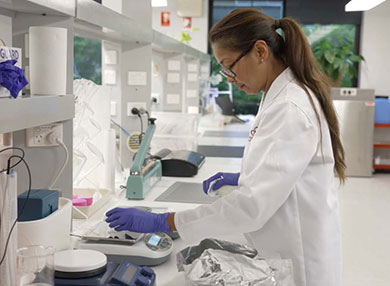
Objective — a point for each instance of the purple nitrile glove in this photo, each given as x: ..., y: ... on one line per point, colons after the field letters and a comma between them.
x: 12, y: 77
x: 137, y: 220
x: 222, y: 180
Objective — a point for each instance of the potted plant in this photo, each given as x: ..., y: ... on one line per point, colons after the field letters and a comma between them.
x: 337, y: 59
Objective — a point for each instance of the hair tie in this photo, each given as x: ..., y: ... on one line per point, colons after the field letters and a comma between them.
x: 277, y: 24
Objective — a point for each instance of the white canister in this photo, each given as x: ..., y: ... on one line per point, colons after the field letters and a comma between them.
x: 48, y: 60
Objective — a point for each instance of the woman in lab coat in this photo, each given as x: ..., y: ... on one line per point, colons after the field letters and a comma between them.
x: 285, y: 202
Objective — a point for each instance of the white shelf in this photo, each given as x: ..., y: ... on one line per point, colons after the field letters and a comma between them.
x: 100, y: 22
x: 48, y: 7
x: 104, y: 23
x: 164, y: 44
x: 94, y: 20
x: 21, y: 113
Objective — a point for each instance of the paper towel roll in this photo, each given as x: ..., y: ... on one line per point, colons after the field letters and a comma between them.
x: 48, y: 60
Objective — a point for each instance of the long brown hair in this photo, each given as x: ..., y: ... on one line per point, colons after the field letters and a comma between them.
x: 239, y: 30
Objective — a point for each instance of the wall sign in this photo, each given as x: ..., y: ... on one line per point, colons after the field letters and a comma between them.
x: 187, y: 23
x: 165, y: 19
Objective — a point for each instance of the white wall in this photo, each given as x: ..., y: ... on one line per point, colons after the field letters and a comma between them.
x: 375, y: 47
x: 6, y: 30
x: 158, y: 87
x: 199, y: 38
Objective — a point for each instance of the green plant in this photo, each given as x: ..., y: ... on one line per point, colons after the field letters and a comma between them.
x: 337, y: 58
x: 88, y: 58
x: 185, y: 35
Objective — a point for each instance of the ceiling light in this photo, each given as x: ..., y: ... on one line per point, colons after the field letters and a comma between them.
x: 159, y: 3
x: 362, y: 5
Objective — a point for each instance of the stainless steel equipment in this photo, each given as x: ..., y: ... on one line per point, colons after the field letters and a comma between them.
x: 356, y: 110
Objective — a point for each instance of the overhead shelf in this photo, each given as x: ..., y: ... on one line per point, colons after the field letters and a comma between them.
x: 164, y: 44
x: 48, y: 7
x: 21, y: 113
x: 104, y: 23
x: 100, y: 22
x: 94, y: 20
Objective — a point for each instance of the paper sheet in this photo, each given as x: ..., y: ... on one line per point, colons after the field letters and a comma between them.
x: 173, y: 98
x: 173, y: 78
x: 174, y: 65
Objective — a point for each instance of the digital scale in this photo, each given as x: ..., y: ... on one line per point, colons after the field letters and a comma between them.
x: 90, y: 268
x: 142, y: 249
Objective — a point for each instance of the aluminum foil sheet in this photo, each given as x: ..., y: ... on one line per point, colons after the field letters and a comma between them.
x: 234, y: 267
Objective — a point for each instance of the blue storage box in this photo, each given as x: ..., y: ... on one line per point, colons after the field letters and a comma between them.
x: 40, y: 204
x: 382, y: 110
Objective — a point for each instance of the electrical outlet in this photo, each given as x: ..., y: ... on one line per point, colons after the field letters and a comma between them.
x: 113, y: 108
x: 348, y: 91
x: 41, y: 136
x: 131, y: 105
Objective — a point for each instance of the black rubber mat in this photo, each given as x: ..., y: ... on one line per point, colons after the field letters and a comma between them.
x: 221, y: 151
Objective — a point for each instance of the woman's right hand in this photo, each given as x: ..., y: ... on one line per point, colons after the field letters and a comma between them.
x: 220, y: 179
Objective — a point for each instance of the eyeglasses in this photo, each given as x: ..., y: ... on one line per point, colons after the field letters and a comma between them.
x: 227, y: 72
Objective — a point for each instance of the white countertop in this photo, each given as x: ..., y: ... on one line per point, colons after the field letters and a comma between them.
x: 167, y: 274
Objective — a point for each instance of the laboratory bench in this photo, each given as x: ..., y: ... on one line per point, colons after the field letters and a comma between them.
x: 166, y: 273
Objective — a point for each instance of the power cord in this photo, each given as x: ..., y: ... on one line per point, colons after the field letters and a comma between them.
x: 8, y: 170
x: 148, y: 115
x: 125, y: 131
x: 53, y: 138
x: 142, y: 129
x: 9, y: 167
x: 139, y: 112
x: 22, y: 209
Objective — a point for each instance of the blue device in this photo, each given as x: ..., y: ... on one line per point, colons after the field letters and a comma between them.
x: 40, y: 204
x: 129, y: 274
x: 123, y: 274
x: 382, y: 110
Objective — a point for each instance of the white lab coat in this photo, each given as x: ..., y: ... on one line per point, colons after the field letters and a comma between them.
x: 286, y: 201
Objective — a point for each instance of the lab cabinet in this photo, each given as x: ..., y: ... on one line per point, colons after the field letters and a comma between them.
x: 356, y: 112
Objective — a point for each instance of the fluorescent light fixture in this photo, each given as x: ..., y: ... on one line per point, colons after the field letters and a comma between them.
x: 159, y: 3
x: 362, y: 5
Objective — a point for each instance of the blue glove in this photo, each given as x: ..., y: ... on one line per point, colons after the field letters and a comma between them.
x: 12, y: 77
x: 221, y: 179
x: 137, y: 220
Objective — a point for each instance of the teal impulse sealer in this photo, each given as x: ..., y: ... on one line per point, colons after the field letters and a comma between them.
x: 143, y: 175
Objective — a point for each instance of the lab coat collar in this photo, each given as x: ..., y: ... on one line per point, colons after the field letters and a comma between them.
x: 277, y: 86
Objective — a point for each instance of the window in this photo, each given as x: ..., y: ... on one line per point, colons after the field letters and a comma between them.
x: 87, y: 59
x: 223, y: 7
x: 339, y: 42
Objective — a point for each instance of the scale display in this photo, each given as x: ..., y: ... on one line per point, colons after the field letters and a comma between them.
x: 154, y: 240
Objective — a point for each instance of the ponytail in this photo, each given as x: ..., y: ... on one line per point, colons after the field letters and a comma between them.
x: 299, y: 57
x: 243, y: 27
